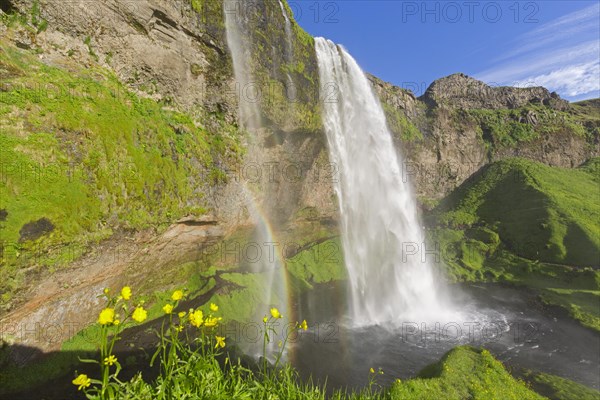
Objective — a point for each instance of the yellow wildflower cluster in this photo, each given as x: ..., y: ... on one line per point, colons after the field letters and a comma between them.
x: 108, y: 315
x: 196, y: 317
x: 175, y: 296
x: 220, y: 342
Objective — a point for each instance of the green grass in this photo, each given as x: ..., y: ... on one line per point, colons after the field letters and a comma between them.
x: 320, y: 263
x: 81, y: 150
x: 464, y: 373
x: 503, y: 128
x: 540, y: 212
x: 557, y: 388
x: 527, y: 224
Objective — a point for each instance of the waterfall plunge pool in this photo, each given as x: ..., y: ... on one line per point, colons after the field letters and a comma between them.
x: 509, y: 322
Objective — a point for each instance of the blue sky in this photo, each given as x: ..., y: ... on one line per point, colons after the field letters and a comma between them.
x: 555, y: 44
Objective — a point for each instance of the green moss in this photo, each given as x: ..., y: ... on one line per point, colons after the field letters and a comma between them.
x: 527, y: 224
x: 582, y: 305
x: 508, y: 127
x: 540, y: 212
x: 246, y: 303
x: 464, y: 373
x: 320, y: 263
x: 400, y: 125
x: 557, y: 388
x: 82, y: 151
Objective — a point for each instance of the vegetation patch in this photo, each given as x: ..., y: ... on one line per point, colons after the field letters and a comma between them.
x: 82, y: 152
x: 502, y: 128
x: 557, y: 388
x: 528, y: 224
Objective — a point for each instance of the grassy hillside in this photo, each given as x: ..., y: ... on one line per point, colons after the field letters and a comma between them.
x: 83, y: 157
x: 539, y: 212
x: 526, y: 223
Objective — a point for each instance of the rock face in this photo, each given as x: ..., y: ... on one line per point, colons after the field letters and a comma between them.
x: 466, y: 124
x: 176, y: 52
x: 462, y: 91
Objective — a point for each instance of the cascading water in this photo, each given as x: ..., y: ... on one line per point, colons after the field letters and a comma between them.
x: 288, y: 33
x: 380, y: 227
x: 265, y: 261
x: 236, y: 21
x: 289, y: 55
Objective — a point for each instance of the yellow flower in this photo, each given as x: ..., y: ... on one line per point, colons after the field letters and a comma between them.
x: 265, y: 319
x: 139, y: 315
x: 211, y: 322
x: 220, y: 341
x: 168, y: 309
x: 214, y: 307
x: 304, y: 325
x: 179, y: 328
x: 107, y: 316
x: 126, y: 293
x: 110, y: 360
x: 372, y: 371
x: 82, y: 381
x: 106, y: 290
x: 177, y: 295
x: 275, y: 313
x: 196, y: 318
x: 116, y: 322
x: 181, y: 314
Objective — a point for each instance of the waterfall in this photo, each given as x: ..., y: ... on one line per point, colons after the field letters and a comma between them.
x: 267, y: 260
x: 390, y: 277
x: 238, y: 41
x: 288, y: 34
x: 289, y: 56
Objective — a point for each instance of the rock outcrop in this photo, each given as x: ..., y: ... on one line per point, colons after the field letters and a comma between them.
x: 462, y: 91
x: 466, y: 124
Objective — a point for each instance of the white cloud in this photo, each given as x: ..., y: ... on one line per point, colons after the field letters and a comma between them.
x: 572, y: 81
x: 561, y: 55
x: 538, y: 64
x: 569, y: 28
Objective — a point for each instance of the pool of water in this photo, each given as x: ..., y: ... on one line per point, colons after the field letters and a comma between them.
x: 506, y: 321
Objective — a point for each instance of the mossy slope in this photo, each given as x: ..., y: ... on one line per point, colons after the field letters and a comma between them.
x: 464, y: 373
x: 82, y: 157
x: 540, y: 212
x: 526, y: 223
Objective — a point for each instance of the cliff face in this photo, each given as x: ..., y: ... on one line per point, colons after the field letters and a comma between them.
x: 466, y: 124
x: 165, y: 65
x: 128, y: 111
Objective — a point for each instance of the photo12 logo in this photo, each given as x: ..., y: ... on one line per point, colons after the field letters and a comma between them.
x: 453, y: 12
